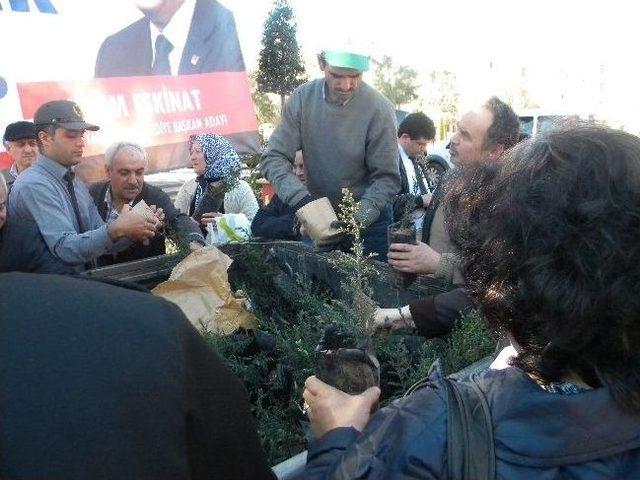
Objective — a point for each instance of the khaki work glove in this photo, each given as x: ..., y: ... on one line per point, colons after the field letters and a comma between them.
x: 316, y: 218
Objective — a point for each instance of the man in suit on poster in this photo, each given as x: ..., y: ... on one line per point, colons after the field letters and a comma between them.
x: 175, y: 37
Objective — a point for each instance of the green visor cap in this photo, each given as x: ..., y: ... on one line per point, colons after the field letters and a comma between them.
x: 347, y: 60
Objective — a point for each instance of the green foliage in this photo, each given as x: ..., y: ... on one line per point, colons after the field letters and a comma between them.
x: 280, y: 65
x: 252, y: 160
x: 406, y: 217
x: 255, y: 182
x: 266, y: 110
x: 470, y: 341
x: 398, y: 83
x: 228, y: 183
x: 357, y: 267
x: 176, y: 243
x: 294, y: 314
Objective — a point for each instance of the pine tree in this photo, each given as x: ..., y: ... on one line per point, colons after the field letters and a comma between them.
x: 280, y: 65
x: 398, y: 83
x: 266, y: 111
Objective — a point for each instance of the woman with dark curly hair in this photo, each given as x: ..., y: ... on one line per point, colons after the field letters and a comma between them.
x: 550, y: 240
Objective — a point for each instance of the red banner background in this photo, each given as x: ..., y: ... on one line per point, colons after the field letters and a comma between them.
x: 152, y: 110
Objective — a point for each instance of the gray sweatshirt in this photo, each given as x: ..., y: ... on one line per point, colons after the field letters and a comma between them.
x: 352, y: 146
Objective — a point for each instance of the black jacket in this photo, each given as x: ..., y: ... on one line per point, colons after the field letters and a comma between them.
x: 22, y: 249
x: 186, y: 229
x: 100, y: 382
x: 401, y: 199
x: 276, y: 220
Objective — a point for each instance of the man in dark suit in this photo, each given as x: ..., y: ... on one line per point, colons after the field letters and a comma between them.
x: 125, y: 163
x: 175, y: 37
x: 414, y: 134
x: 102, y: 382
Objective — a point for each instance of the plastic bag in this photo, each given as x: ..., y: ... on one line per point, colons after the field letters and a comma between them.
x: 228, y: 228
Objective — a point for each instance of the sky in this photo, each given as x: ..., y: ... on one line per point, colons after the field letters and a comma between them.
x: 577, y: 55
x: 429, y: 33
x: 571, y: 56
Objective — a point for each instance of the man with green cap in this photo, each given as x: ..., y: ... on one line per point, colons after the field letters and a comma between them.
x: 346, y: 131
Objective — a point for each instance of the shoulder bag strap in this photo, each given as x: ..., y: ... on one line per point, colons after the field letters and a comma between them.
x: 470, y: 446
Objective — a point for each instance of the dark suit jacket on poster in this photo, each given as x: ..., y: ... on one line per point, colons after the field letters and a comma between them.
x: 212, y: 40
x: 101, y: 382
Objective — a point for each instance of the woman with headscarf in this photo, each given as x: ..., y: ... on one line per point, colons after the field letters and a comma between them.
x: 217, y: 188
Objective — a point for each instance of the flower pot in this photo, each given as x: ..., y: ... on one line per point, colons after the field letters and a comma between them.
x: 398, y: 233
x: 344, y: 365
x: 211, y: 201
x: 317, y: 217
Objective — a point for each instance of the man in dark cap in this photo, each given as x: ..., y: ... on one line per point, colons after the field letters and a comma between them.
x: 20, y: 143
x: 49, y: 194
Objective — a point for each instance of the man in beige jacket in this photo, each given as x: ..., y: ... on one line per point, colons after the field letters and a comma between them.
x: 483, y: 135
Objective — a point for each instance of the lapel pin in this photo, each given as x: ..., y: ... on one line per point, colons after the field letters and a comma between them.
x: 195, y: 59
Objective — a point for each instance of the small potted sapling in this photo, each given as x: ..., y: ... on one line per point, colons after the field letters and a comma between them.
x: 214, y: 193
x: 344, y: 355
x: 403, y: 231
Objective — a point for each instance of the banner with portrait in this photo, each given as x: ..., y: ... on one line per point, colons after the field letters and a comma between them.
x: 149, y: 71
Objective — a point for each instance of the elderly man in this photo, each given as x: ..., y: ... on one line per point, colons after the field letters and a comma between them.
x: 483, y: 135
x: 125, y: 164
x: 346, y: 131
x: 20, y: 143
x: 49, y: 194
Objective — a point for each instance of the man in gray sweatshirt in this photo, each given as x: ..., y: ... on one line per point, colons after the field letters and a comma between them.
x: 346, y: 131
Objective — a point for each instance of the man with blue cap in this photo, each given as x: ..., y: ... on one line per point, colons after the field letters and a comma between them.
x: 346, y: 131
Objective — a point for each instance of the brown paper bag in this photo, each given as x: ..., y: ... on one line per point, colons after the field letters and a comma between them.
x: 316, y: 217
x: 200, y: 287
x: 141, y: 208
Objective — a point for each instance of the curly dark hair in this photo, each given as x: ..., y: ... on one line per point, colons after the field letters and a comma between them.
x: 505, y: 128
x: 550, y: 240
x: 417, y: 125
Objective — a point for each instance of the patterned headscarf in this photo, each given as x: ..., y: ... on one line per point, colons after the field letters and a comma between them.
x: 221, y: 159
